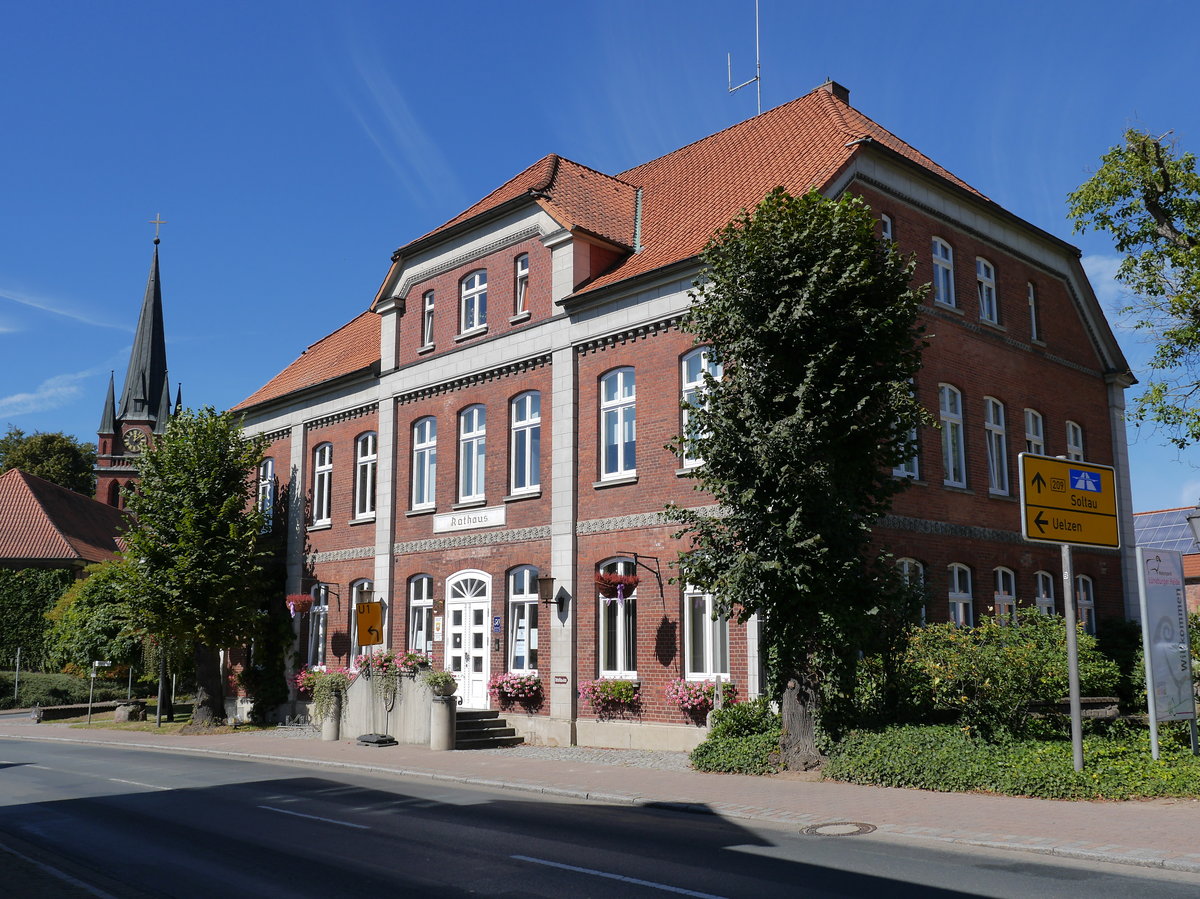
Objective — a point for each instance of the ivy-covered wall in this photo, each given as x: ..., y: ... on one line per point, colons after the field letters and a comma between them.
x: 26, y: 595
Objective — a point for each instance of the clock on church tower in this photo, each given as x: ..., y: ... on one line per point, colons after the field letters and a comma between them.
x: 135, y: 441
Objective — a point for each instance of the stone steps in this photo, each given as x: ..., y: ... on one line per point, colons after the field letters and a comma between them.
x: 483, y: 729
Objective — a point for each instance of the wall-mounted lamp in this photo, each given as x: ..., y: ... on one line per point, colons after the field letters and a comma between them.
x: 546, y: 595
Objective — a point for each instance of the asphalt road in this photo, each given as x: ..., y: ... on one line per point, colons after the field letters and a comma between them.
x: 102, y: 821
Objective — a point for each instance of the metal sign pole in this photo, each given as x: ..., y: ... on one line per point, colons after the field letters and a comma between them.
x: 91, y: 690
x: 1073, y: 656
x: 17, y: 676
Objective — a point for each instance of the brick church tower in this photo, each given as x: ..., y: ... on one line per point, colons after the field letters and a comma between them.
x: 128, y: 427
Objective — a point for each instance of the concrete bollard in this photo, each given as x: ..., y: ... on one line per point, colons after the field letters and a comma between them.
x: 443, y: 716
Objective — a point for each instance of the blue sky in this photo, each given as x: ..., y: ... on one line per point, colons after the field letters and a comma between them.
x: 291, y: 147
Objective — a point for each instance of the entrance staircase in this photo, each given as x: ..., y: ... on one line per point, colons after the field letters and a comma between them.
x: 483, y: 730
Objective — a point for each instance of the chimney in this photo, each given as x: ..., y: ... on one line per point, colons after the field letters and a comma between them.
x: 840, y: 91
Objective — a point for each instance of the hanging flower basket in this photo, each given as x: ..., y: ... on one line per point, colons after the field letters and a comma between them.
x: 616, y: 585
x: 299, y: 603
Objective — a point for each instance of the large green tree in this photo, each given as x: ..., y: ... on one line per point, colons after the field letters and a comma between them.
x: 1146, y: 195
x: 93, y: 621
x: 53, y: 456
x: 196, y: 565
x: 814, y: 322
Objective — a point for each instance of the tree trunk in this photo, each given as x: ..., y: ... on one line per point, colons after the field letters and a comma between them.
x: 209, y: 709
x: 799, y: 710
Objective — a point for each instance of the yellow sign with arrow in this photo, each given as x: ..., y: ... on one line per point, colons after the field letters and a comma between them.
x: 369, y: 620
x: 1064, y: 501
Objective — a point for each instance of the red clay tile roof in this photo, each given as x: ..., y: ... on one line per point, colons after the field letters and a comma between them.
x: 686, y: 196
x: 41, y: 522
x: 351, y: 348
x: 577, y: 197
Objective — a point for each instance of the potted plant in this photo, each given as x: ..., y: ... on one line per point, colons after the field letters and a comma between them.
x: 508, y: 688
x: 616, y: 586
x: 299, y: 603
x: 611, y: 697
x: 327, y: 690
x: 697, y: 698
x: 442, y: 683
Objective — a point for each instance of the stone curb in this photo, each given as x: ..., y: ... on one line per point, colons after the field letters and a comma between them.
x: 744, y: 812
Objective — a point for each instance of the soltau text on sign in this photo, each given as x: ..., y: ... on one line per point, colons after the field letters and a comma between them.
x: 1066, y: 501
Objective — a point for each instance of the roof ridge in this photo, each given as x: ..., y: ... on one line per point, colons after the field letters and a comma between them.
x: 335, y: 331
x: 598, y: 172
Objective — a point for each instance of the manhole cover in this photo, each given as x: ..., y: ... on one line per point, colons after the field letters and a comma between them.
x: 838, y: 829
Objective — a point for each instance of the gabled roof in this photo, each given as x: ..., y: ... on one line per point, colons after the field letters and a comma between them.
x: 44, y: 524
x: 349, y: 349
x: 576, y: 196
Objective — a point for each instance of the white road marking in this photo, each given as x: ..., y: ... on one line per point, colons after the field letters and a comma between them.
x: 621, y: 877
x: 138, y: 783
x: 284, y: 811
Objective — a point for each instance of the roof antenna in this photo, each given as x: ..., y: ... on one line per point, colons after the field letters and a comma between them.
x: 757, y: 79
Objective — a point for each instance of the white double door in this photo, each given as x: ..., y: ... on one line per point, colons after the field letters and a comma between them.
x: 468, y: 611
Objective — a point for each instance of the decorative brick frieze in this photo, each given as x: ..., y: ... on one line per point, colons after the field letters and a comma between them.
x: 465, y: 258
x: 488, y: 538
x: 629, y: 335
x: 341, y: 555
x: 492, y: 374
x: 637, y: 520
x: 339, y: 417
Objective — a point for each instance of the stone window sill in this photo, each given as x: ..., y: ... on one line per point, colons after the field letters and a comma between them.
x: 469, y: 504
x: 428, y: 510
x: 938, y: 304
x: 474, y: 332
x: 519, y: 317
x: 616, y: 482
x: 320, y: 526
x: 365, y: 519
x: 517, y: 497
x: 428, y: 348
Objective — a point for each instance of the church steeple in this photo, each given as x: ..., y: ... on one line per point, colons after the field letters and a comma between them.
x: 146, y: 379
x: 108, y: 419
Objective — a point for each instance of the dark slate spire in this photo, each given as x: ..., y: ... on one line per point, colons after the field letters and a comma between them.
x: 146, y: 378
x: 178, y: 399
x: 164, y: 409
x: 108, y: 421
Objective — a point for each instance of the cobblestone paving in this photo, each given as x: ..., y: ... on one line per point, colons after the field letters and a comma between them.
x: 621, y: 758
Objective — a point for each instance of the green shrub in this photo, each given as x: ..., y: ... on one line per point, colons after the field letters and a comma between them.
x: 745, y: 719
x: 993, y: 674
x: 755, y: 754
x: 60, y: 689
x: 947, y: 758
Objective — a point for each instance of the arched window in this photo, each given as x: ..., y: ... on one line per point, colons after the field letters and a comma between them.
x: 361, y: 591
x: 318, y: 621
x: 1035, y: 433
x: 695, y: 365
x: 912, y: 573
x: 943, y: 273
x: 962, y: 611
x: 322, y: 486
x: 424, y: 468
x: 521, y: 284
x: 420, y: 613
x: 618, y: 424
x: 473, y: 306
x: 472, y: 440
x: 114, y: 493
x: 706, y: 636
x: 1005, y: 597
x: 1074, y: 442
x: 985, y: 283
x: 1043, y: 591
x: 266, y: 492
x: 523, y: 620
x: 618, y: 626
x: 885, y: 227
x: 953, y: 454
x: 366, y: 449
x: 526, y: 452
x: 997, y: 446
x: 1085, y: 602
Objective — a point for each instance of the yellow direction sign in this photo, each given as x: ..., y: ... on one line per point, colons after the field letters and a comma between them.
x: 369, y: 619
x: 1068, y: 502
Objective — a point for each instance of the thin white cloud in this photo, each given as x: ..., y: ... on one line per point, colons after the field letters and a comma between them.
x: 53, y: 393
x: 1102, y: 272
x: 56, y: 308
x: 1189, y: 493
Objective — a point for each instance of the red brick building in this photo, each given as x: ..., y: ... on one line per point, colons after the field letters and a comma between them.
x: 497, y: 420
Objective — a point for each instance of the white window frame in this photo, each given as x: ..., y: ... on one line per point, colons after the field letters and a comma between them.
x: 962, y: 602
x: 619, y: 617
x: 1043, y: 592
x: 266, y: 492
x: 318, y: 624
x: 427, y: 319
x: 1035, y: 321
x: 943, y: 273
x: 357, y: 588
x: 424, y: 467
x: 1035, y: 432
x: 1005, y: 596
x: 705, y: 638
x: 472, y: 453
x: 523, y: 619
x: 521, y: 284
x: 1074, y: 442
x: 525, y: 443
x: 985, y: 284
x: 997, y: 446
x: 693, y: 389
x: 472, y: 307
x: 366, y: 466
x: 420, y: 613
x: 618, y: 424
x: 885, y: 226
x: 322, y: 489
x: 954, y: 456
x: 1085, y: 603
x: 912, y: 573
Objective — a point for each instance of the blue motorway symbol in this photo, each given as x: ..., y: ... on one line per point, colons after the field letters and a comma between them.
x: 1088, y: 481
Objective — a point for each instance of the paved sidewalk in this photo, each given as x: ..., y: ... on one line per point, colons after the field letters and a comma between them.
x: 1155, y: 833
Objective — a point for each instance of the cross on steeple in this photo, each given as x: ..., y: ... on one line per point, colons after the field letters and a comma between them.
x: 156, y: 221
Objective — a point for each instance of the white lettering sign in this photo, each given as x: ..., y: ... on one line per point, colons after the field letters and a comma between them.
x: 1164, y: 634
x: 468, y: 519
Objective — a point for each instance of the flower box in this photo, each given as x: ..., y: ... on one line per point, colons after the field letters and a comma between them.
x: 617, y: 586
